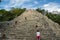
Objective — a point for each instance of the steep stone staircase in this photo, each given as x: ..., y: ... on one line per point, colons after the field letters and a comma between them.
x: 24, y: 27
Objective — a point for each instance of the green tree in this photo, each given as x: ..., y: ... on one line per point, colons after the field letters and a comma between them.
x: 17, y: 11
x: 42, y: 11
x: 54, y: 17
x: 10, y: 15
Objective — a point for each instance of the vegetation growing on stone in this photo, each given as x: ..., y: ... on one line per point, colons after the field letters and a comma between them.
x: 24, y: 27
x: 54, y: 17
x: 14, y: 12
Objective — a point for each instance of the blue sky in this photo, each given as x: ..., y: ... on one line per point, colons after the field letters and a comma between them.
x: 50, y: 5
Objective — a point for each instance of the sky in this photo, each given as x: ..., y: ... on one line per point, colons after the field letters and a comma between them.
x: 50, y: 5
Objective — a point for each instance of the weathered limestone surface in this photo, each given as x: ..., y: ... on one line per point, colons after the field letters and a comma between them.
x: 24, y: 27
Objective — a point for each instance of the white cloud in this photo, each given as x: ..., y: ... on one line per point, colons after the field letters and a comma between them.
x: 35, y: 2
x: 52, y: 7
x: 20, y: 3
x: 15, y: 3
x: 46, y: 5
x: 28, y: 7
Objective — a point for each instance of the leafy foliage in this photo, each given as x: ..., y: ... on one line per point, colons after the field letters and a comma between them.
x: 54, y: 17
x: 41, y: 11
x: 9, y: 15
x: 14, y: 12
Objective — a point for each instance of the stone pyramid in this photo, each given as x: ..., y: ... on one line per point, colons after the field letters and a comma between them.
x: 24, y: 27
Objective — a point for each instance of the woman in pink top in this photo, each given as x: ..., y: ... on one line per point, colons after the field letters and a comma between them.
x: 38, y: 35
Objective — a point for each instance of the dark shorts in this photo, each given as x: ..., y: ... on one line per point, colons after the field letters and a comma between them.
x: 38, y: 37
